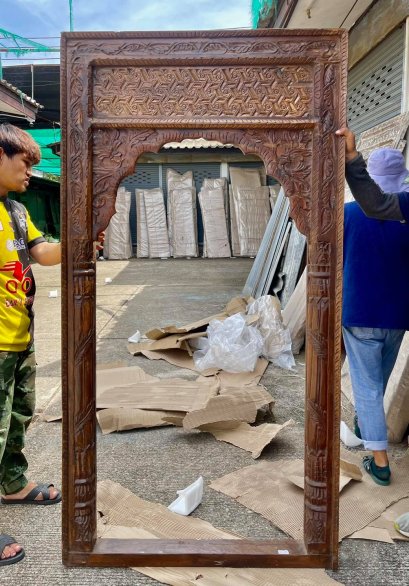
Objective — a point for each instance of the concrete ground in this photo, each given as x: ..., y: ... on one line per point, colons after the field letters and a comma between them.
x: 155, y: 463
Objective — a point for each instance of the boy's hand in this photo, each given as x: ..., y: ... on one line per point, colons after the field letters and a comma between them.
x: 350, y: 146
x: 100, y: 241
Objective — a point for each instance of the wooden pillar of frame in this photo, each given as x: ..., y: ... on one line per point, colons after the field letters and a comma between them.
x: 278, y: 94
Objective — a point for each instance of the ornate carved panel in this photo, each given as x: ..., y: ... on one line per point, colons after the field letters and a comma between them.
x: 159, y: 93
x: 279, y: 94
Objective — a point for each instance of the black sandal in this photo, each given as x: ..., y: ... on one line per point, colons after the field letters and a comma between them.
x: 6, y: 540
x: 30, y: 498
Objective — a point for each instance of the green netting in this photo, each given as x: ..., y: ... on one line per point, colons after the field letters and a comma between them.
x: 260, y: 9
x: 50, y: 163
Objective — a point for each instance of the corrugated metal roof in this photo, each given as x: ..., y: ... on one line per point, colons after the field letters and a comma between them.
x: 19, y: 93
x: 197, y: 143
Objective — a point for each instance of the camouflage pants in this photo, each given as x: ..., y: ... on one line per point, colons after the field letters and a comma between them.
x: 17, y: 402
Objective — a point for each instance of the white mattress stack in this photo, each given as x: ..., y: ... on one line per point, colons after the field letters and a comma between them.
x: 152, y: 230
x: 216, y: 238
x: 142, y: 241
x: 118, y: 243
x: 249, y: 208
x: 252, y: 211
x: 182, y: 214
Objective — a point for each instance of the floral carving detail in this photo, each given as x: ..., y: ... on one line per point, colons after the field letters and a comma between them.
x: 286, y: 155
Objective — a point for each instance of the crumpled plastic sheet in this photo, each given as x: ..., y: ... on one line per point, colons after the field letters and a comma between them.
x: 231, y: 345
x: 276, y: 337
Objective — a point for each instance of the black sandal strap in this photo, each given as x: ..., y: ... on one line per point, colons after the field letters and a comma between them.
x: 39, y: 489
x: 6, y: 540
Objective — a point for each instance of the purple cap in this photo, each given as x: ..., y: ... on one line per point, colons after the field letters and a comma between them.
x: 387, y: 168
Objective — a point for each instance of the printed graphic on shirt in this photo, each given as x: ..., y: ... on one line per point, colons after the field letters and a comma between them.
x: 16, y: 244
x: 19, y: 280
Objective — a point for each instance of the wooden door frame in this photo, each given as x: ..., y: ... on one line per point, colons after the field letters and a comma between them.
x: 279, y: 94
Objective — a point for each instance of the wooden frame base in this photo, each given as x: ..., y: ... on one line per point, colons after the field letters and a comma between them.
x: 232, y: 553
x: 279, y: 94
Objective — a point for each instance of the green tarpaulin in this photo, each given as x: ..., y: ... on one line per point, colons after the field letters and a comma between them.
x: 50, y: 163
x: 260, y: 9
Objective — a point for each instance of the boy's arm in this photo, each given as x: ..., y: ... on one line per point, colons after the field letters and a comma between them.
x: 373, y: 201
x: 47, y: 253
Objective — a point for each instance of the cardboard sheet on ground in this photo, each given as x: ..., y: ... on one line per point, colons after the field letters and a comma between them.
x: 119, y: 419
x: 266, y: 489
x: 171, y: 342
x: 177, y: 357
x: 250, y: 438
x: 107, y: 378
x: 181, y: 358
x: 236, y: 305
x: 174, y: 394
x: 348, y: 472
x: 382, y: 528
x: 127, y: 516
x: 235, y: 404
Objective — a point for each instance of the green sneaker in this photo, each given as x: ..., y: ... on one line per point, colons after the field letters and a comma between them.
x: 402, y: 524
x: 380, y: 474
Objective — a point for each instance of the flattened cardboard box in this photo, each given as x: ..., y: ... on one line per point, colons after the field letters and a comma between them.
x: 120, y: 419
x: 163, y: 395
x: 236, y: 305
x: 126, y: 516
x: 253, y: 439
x: 266, y: 489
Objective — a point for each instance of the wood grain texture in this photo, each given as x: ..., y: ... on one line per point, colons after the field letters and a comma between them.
x: 278, y: 94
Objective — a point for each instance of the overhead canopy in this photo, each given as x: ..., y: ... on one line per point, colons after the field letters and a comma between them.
x: 15, y: 103
x: 50, y: 163
x: 42, y: 81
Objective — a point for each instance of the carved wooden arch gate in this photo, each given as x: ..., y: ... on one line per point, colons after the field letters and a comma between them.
x: 276, y: 93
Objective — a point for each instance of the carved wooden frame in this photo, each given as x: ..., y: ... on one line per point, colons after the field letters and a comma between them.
x: 279, y: 94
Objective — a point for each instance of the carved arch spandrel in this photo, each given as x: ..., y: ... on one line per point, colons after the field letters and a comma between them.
x: 287, y: 156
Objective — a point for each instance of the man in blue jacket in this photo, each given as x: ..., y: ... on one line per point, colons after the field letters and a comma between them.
x: 389, y: 203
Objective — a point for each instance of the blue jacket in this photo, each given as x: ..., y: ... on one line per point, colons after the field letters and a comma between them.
x: 376, y: 272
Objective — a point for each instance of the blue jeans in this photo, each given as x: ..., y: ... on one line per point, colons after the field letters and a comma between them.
x: 372, y: 354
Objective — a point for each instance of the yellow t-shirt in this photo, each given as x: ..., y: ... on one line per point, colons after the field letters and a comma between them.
x: 17, y: 287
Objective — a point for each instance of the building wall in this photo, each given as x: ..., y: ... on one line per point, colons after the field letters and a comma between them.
x: 378, y: 22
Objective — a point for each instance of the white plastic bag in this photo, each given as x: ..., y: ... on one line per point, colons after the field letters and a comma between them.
x: 232, y: 346
x: 276, y: 337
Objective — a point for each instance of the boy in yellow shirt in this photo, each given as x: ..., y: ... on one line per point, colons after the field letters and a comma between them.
x: 19, y: 240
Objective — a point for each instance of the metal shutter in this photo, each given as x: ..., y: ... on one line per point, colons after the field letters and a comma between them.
x: 201, y: 171
x: 375, y: 84
x: 145, y: 177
